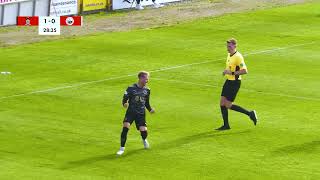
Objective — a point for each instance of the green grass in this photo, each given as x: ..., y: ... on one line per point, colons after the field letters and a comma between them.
x: 74, y: 133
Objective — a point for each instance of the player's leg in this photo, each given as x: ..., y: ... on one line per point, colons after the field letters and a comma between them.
x: 156, y: 5
x: 142, y: 127
x: 138, y: 5
x: 123, y: 138
x: 124, y: 133
x: 144, y: 135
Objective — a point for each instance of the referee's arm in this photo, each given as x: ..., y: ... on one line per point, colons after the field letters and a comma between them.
x: 243, y: 67
x: 241, y: 72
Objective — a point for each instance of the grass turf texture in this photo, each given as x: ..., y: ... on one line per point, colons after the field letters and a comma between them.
x: 74, y: 133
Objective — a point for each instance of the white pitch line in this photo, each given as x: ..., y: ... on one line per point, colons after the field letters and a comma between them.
x: 65, y: 87
x: 252, y: 53
x: 242, y: 89
x: 157, y: 70
x: 279, y: 48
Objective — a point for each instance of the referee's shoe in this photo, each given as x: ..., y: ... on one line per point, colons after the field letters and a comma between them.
x: 253, y: 116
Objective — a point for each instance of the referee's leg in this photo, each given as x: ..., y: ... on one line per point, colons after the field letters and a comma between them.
x: 224, y: 113
x: 252, y: 114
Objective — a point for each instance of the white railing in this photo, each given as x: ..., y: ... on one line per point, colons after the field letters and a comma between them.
x: 10, y: 9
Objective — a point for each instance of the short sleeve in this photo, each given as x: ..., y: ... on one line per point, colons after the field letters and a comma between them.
x: 241, y: 63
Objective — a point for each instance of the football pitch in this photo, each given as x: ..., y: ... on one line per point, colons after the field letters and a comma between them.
x: 61, y: 113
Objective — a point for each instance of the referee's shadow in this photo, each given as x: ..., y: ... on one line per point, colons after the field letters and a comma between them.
x: 307, y: 147
x: 162, y: 146
x: 197, y: 137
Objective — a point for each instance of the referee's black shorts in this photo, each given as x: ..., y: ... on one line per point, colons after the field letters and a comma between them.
x: 230, y: 89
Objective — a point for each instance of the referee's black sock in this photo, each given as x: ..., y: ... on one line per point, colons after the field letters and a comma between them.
x: 124, y: 136
x: 240, y: 109
x: 144, y: 134
x: 224, y: 112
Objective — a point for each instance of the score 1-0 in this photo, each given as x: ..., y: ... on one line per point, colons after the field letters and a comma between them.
x: 49, y: 25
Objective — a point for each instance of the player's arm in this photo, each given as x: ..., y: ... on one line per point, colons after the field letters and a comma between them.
x: 125, y: 98
x: 148, y: 103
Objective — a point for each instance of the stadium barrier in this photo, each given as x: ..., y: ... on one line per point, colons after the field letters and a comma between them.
x: 125, y: 4
x: 93, y: 6
x: 10, y: 9
x: 63, y: 7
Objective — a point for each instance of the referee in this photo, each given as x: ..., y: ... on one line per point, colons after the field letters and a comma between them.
x: 235, y: 67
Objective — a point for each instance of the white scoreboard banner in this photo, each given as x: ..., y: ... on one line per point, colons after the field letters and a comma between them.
x: 2, y: 2
x: 125, y: 4
x: 63, y: 7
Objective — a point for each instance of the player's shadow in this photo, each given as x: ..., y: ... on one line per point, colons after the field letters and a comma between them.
x: 308, y: 147
x: 162, y: 146
x: 95, y: 159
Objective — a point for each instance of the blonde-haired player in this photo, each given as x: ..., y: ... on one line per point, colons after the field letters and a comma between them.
x: 136, y: 100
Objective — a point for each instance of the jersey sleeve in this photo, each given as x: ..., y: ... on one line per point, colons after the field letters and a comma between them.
x: 126, y: 96
x: 148, y: 102
x: 241, y: 63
